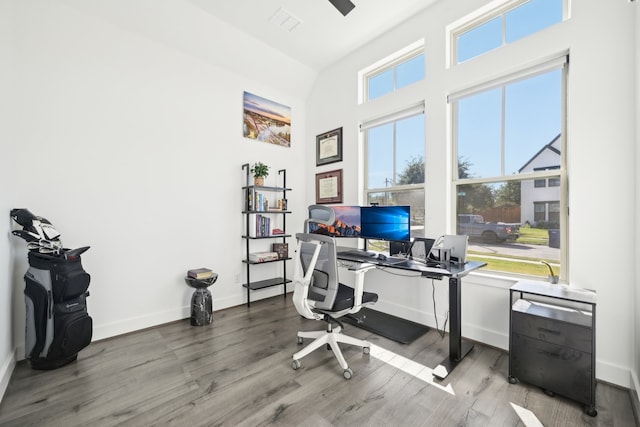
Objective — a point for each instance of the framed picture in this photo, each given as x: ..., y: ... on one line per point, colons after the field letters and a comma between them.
x: 329, y: 187
x: 329, y: 147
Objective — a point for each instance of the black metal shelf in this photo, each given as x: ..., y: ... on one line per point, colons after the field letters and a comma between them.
x: 273, y: 236
x: 248, y: 213
x: 262, y: 284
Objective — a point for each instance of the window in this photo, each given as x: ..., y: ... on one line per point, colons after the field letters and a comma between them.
x: 395, y: 168
x: 401, y: 69
x: 506, y: 24
x: 508, y: 144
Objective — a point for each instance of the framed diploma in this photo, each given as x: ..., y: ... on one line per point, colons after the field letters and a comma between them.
x: 329, y: 147
x: 329, y: 187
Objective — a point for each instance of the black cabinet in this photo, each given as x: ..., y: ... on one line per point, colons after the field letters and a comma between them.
x: 552, y: 340
x: 265, y: 212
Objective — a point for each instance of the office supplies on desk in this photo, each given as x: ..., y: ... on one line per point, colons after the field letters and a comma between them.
x: 457, y: 245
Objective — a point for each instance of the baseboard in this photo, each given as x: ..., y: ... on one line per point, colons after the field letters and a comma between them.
x: 635, y: 398
x: 6, y: 372
x: 153, y: 319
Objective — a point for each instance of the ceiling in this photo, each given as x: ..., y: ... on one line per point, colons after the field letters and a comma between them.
x: 322, y: 35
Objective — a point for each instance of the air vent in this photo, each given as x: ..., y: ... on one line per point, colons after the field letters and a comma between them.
x: 285, y: 20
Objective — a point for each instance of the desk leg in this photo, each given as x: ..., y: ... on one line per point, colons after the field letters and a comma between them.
x: 458, y: 348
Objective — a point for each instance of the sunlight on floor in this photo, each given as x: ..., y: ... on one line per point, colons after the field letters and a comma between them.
x: 419, y: 371
x: 527, y: 417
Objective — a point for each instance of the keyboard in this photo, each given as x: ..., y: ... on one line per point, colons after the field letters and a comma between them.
x: 357, y: 253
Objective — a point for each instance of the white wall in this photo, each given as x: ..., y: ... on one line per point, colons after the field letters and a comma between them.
x: 7, y: 76
x: 601, y: 136
x: 636, y: 333
x: 127, y: 136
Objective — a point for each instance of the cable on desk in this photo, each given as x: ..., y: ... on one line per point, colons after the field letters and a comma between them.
x: 435, y: 313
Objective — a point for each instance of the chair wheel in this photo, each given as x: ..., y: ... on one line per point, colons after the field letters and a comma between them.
x: 295, y: 364
x: 347, y: 374
x: 366, y: 350
x: 299, y: 340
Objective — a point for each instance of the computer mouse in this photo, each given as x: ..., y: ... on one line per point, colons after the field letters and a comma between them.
x: 382, y: 256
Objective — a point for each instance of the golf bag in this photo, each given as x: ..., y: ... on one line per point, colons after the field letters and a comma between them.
x: 56, y: 287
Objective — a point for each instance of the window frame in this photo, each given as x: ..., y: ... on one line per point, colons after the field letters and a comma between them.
x: 560, y: 62
x: 394, y: 118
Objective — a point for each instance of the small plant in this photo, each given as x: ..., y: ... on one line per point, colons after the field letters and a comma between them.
x: 260, y: 170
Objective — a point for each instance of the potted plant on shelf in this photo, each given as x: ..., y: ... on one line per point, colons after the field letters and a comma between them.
x: 260, y: 171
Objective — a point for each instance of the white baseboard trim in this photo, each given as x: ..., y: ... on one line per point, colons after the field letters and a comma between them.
x: 133, y: 324
x: 5, y: 374
x: 634, y: 394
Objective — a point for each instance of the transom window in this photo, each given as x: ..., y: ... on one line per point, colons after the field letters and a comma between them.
x: 510, y: 22
x: 399, y: 70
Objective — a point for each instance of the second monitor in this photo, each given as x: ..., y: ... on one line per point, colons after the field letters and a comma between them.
x: 385, y: 223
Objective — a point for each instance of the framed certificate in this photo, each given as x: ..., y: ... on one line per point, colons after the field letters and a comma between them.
x: 329, y: 187
x: 329, y: 147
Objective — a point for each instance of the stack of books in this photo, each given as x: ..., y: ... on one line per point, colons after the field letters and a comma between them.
x: 200, y: 273
x: 263, y: 256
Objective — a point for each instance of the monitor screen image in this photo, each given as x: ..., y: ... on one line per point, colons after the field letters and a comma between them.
x: 385, y: 223
x: 347, y: 223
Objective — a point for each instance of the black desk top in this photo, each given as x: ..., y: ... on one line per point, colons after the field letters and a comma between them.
x: 451, y: 269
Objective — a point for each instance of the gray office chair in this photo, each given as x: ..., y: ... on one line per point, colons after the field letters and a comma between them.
x: 319, y: 295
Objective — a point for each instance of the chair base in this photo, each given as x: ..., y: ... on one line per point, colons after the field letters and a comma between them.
x: 332, y: 336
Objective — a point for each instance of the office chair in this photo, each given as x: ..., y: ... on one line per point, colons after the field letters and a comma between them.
x: 318, y: 295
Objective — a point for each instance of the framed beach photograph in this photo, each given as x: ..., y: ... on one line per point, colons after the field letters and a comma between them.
x: 329, y: 187
x: 329, y: 147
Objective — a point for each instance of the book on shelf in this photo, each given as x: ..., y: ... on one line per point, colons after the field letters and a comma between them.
x: 200, y: 273
x: 282, y: 249
x: 263, y: 256
x: 261, y: 226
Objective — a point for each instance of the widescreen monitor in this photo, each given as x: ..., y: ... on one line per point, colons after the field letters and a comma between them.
x: 347, y: 223
x: 385, y: 223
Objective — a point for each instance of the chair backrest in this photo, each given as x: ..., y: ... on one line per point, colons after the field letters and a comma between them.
x: 319, y: 214
x: 316, y: 274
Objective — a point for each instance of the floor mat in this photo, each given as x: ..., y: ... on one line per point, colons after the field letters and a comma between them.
x: 386, y: 325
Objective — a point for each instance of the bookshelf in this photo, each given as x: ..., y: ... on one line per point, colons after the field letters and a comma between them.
x: 264, y: 215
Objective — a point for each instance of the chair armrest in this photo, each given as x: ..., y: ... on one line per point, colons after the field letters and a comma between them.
x: 358, y: 287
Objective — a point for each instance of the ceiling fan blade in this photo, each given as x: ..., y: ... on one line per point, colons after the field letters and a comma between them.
x: 344, y: 6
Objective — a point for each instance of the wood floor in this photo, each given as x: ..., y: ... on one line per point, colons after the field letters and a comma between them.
x: 237, y: 371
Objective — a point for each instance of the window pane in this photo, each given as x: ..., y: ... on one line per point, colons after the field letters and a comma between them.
x: 500, y: 220
x: 410, y: 148
x: 380, y: 156
x: 533, y: 114
x: 412, y: 198
x: 410, y: 71
x: 532, y: 17
x: 479, y: 40
x: 380, y: 84
x: 479, y: 135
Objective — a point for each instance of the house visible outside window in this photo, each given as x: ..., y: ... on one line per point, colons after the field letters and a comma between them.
x: 395, y: 72
x: 510, y: 22
x: 509, y: 145
x: 394, y: 163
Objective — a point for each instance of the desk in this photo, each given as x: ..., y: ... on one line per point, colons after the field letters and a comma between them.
x: 458, y: 347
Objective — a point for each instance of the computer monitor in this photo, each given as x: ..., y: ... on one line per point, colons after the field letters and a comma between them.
x: 346, y: 224
x: 385, y: 223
